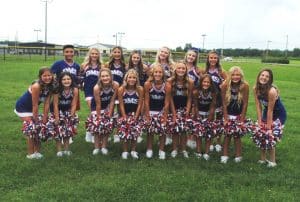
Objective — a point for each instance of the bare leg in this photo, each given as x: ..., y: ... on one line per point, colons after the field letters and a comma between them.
x: 199, y: 144
x: 226, y: 145
x: 133, y: 145
x: 96, y: 141
x: 183, y: 139
x: 30, y: 145
x: 207, y: 144
x: 272, y: 155
x: 162, y: 141
x: 238, y: 147
x: 262, y: 154
x: 175, y: 140
x: 150, y: 138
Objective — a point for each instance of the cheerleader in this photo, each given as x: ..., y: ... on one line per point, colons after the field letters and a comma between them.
x: 117, y: 67
x: 267, y: 95
x: 218, y: 75
x: 164, y: 58
x: 130, y: 96
x: 235, y: 94
x: 135, y: 62
x: 181, y: 102
x: 204, y: 99
x: 64, y: 106
x: 103, y: 106
x: 191, y: 60
x: 157, y: 102
x: 27, y: 108
x: 90, y: 71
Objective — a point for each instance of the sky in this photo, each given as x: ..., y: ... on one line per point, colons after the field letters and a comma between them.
x: 151, y: 24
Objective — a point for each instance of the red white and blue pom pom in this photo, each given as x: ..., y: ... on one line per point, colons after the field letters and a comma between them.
x: 218, y: 128
x: 67, y: 126
x: 156, y: 125
x: 235, y: 128
x: 183, y: 124
x: 102, y: 126
x: 203, y: 128
x: 49, y: 129
x: 32, y: 129
x: 267, y: 139
x: 129, y: 128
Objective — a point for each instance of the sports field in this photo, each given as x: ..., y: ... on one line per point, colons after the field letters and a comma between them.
x: 84, y: 177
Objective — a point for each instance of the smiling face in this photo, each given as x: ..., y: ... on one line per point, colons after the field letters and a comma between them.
x: 264, y: 77
x: 46, y: 77
x: 191, y: 57
x: 66, y: 81
x: 136, y: 58
x: 206, y: 83
x: 69, y: 54
x: 94, y: 55
x: 164, y: 54
x: 131, y: 79
x: 213, y: 59
x: 158, y: 73
x: 236, y: 76
x: 117, y: 54
x: 181, y: 69
x: 105, y: 77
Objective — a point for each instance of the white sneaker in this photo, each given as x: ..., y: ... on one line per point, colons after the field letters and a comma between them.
x: 96, y: 151
x: 206, y: 156
x: 104, y: 151
x: 70, y: 140
x: 168, y: 141
x: 124, y: 155
x: 134, y: 154
x: 161, y: 155
x: 191, y: 144
x: 238, y: 159
x: 218, y: 148
x: 185, y: 154
x: 38, y: 155
x: 271, y: 164
x: 116, y: 139
x: 224, y: 159
x: 198, y: 155
x: 261, y: 161
x: 174, y: 153
x: 139, y: 139
x: 67, y: 153
x: 88, y: 137
x: 59, y: 154
x: 149, y: 154
x: 211, y: 148
x: 31, y: 156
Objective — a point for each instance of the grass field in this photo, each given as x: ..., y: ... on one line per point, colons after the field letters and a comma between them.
x: 84, y: 177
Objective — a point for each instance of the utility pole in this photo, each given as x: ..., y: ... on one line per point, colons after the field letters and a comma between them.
x: 46, y: 16
x: 116, y: 36
x: 37, y: 34
x: 120, y: 37
x: 203, y: 35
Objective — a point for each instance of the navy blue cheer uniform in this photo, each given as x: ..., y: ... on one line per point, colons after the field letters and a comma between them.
x: 24, y: 103
x: 180, y: 97
x: 234, y: 108
x: 131, y: 101
x: 204, y: 102
x: 142, y: 76
x: 62, y: 66
x: 157, y: 98
x: 192, y: 74
x: 90, y: 79
x: 118, y: 73
x: 105, y: 97
x: 217, y: 81
x: 167, y: 70
x: 279, y: 111
x: 64, y: 101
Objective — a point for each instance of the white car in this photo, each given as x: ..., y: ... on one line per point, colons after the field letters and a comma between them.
x: 228, y: 59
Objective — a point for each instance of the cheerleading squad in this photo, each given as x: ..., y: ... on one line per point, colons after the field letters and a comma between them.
x: 178, y: 102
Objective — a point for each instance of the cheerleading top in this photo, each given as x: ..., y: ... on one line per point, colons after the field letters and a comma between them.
x: 279, y: 111
x: 131, y: 101
x: 65, y: 100
x: 204, y: 101
x: 192, y: 74
x: 157, y: 98
x: 24, y: 103
x: 90, y: 79
x: 180, y: 97
x: 62, y: 66
x: 105, y: 97
x: 142, y: 76
x: 167, y: 70
x: 217, y: 80
x: 234, y: 108
x: 118, y: 73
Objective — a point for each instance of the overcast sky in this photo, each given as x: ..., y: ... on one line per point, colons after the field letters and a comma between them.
x: 156, y: 23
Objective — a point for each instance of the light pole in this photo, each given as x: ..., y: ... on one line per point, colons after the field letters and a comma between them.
x: 46, y: 13
x: 120, y: 37
x: 116, y: 36
x: 37, y: 34
x: 203, y: 35
x: 267, y: 51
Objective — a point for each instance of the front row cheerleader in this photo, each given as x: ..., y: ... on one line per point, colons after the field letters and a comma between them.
x: 130, y: 96
x: 271, y: 119
x: 182, y: 87
x: 204, y: 99
x: 27, y: 109
x: 235, y: 94
x: 102, y: 108
x: 64, y: 107
x: 157, y: 102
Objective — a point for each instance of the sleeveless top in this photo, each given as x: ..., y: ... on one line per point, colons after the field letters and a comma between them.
x: 131, y: 101
x: 157, y: 97
x: 180, y: 96
x: 105, y: 97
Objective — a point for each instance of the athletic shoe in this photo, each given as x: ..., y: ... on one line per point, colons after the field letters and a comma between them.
x: 59, y: 154
x: 71, y: 140
x: 261, y: 161
x: 224, y: 159
x: 185, y: 154
x: 124, y: 155
x: 218, y: 148
x: 116, y: 139
x: 211, y: 148
x: 206, y: 156
x: 30, y: 156
x: 191, y: 144
x: 174, y: 153
x: 271, y: 164
x: 198, y: 155
x: 38, y: 155
x: 134, y: 154
x: 161, y: 155
x: 238, y: 159
x: 149, y: 154
x: 88, y: 137
x: 139, y: 139
x: 68, y: 153
x: 104, y: 151
x: 168, y: 141
x: 96, y: 151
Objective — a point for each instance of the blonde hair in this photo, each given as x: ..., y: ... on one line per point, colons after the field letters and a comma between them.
x: 100, y: 84
x: 169, y: 58
x: 134, y: 72
x: 87, y: 59
x: 174, y: 78
x: 229, y: 87
x: 151, y: 76
x: 196, y: 59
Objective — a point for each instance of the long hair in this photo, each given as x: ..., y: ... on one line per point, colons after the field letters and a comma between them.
x: 151, y: 76
x: 229, y: 85
x: 174, y: 79
x: 169, y: 58
x: 99, y: 83
x: 42, y: 70
x: 212, y: 86
x: 134, y: 72
x: 263, y: 89
x: 140, y: 67
x: 61, y: 86
x: 196, y: 59
x: 218, y: 65
x: 88, y: 60
x: 112, y: 59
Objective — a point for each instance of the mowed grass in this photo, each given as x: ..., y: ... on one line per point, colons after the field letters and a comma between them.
x: 84, y: 177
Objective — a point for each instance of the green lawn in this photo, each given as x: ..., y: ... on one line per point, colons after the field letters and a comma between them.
x: 108, y: 178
